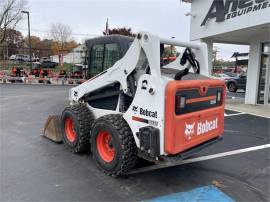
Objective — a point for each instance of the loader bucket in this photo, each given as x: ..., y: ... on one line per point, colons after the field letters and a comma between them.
x: 52, y: 129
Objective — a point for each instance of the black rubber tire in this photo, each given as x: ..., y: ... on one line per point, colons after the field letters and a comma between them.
x: 83, y: 122
x: 232, y: 89
x: 124, y: 144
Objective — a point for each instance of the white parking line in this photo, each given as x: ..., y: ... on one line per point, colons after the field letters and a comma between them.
x: 199, y: 159
x: 223, y: 154
x: 236, y: 114
x: 268, y: 117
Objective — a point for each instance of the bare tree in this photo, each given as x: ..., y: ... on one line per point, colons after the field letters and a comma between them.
x: 10, y: 15
x: 61, y: 33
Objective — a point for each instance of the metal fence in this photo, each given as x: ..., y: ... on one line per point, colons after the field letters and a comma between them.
x: 38, y: 80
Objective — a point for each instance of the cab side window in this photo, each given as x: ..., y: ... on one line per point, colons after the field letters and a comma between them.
x: 111, y: 55
x: 102, y: 57
x: 96, y: 59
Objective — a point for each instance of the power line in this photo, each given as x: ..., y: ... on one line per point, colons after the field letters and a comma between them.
x: 27, y: 48
x: 74, y: 34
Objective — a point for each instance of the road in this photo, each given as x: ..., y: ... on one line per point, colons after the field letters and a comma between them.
x: 33, y: 168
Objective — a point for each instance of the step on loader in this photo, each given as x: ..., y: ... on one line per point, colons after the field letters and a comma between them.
x: 135, y: 107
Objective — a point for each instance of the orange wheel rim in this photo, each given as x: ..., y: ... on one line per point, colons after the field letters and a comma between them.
x: 69, y: 129
x: 105, y: 146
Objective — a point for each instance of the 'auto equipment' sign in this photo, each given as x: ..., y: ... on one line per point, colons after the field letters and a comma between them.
x: 233, y: 8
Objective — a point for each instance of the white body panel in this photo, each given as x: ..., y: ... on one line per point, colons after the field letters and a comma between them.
x: 146, y: 46
x: 154, y: 103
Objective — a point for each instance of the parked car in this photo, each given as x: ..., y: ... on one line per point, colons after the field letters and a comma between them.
x: 48, y: 64
x: 20, y: 57
x: 231, y: 74
x: 221, y: 76
x: 44, y: 64
x: 13, y: 57
x: 45, y: 59
x: 235, y: 82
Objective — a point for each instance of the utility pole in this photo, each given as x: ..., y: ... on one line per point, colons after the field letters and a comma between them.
x: 29, y: 38
x: 107, y: 27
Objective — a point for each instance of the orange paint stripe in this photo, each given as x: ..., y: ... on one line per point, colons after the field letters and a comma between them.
x: 201, y: 99
x: 135, y: 118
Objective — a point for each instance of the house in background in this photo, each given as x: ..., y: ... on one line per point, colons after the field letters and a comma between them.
x: 76, y: 56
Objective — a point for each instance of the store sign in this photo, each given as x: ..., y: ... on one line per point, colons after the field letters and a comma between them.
x: 223, y: 10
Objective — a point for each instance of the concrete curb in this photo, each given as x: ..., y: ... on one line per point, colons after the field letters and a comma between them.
x: 257, y: 110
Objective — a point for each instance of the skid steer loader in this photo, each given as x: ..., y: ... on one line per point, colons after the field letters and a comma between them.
x: 138, y: 108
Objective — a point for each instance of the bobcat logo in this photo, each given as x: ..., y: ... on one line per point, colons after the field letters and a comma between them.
x: 135, y: 109
x: 189, y: 130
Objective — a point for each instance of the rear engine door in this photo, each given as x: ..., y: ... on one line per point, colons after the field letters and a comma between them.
x: 194, y: 113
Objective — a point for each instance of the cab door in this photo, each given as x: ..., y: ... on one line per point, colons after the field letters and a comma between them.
x: 103, y: 56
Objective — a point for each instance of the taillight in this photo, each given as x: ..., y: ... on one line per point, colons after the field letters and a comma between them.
x: 219, y: 96
x: 180, y: 102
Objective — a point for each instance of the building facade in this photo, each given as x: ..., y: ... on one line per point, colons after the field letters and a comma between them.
x: 243, y: 22
x: 76, y: 56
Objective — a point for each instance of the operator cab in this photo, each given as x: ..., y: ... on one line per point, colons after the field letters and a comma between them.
x: 104, y: 51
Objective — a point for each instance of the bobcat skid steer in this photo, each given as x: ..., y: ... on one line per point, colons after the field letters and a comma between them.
x: 138, y: 108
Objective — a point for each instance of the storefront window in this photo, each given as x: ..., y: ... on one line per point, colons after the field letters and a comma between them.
x: 263, y: 91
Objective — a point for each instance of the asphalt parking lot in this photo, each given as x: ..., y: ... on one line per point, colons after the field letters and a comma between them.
x: 35, y: 169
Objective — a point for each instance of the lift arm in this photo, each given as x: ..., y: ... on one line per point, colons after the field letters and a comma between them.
x: 144, y: 45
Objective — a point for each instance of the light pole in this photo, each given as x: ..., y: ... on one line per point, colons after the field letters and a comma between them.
x: 29, y: 38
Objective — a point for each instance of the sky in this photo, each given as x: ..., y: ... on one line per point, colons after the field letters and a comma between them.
x: 87, y: 18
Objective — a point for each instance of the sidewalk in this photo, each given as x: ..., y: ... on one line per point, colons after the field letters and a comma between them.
x: 259, y: 110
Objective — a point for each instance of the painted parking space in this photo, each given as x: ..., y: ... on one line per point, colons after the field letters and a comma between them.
x: 205, y: 194
x: 249, y: 135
